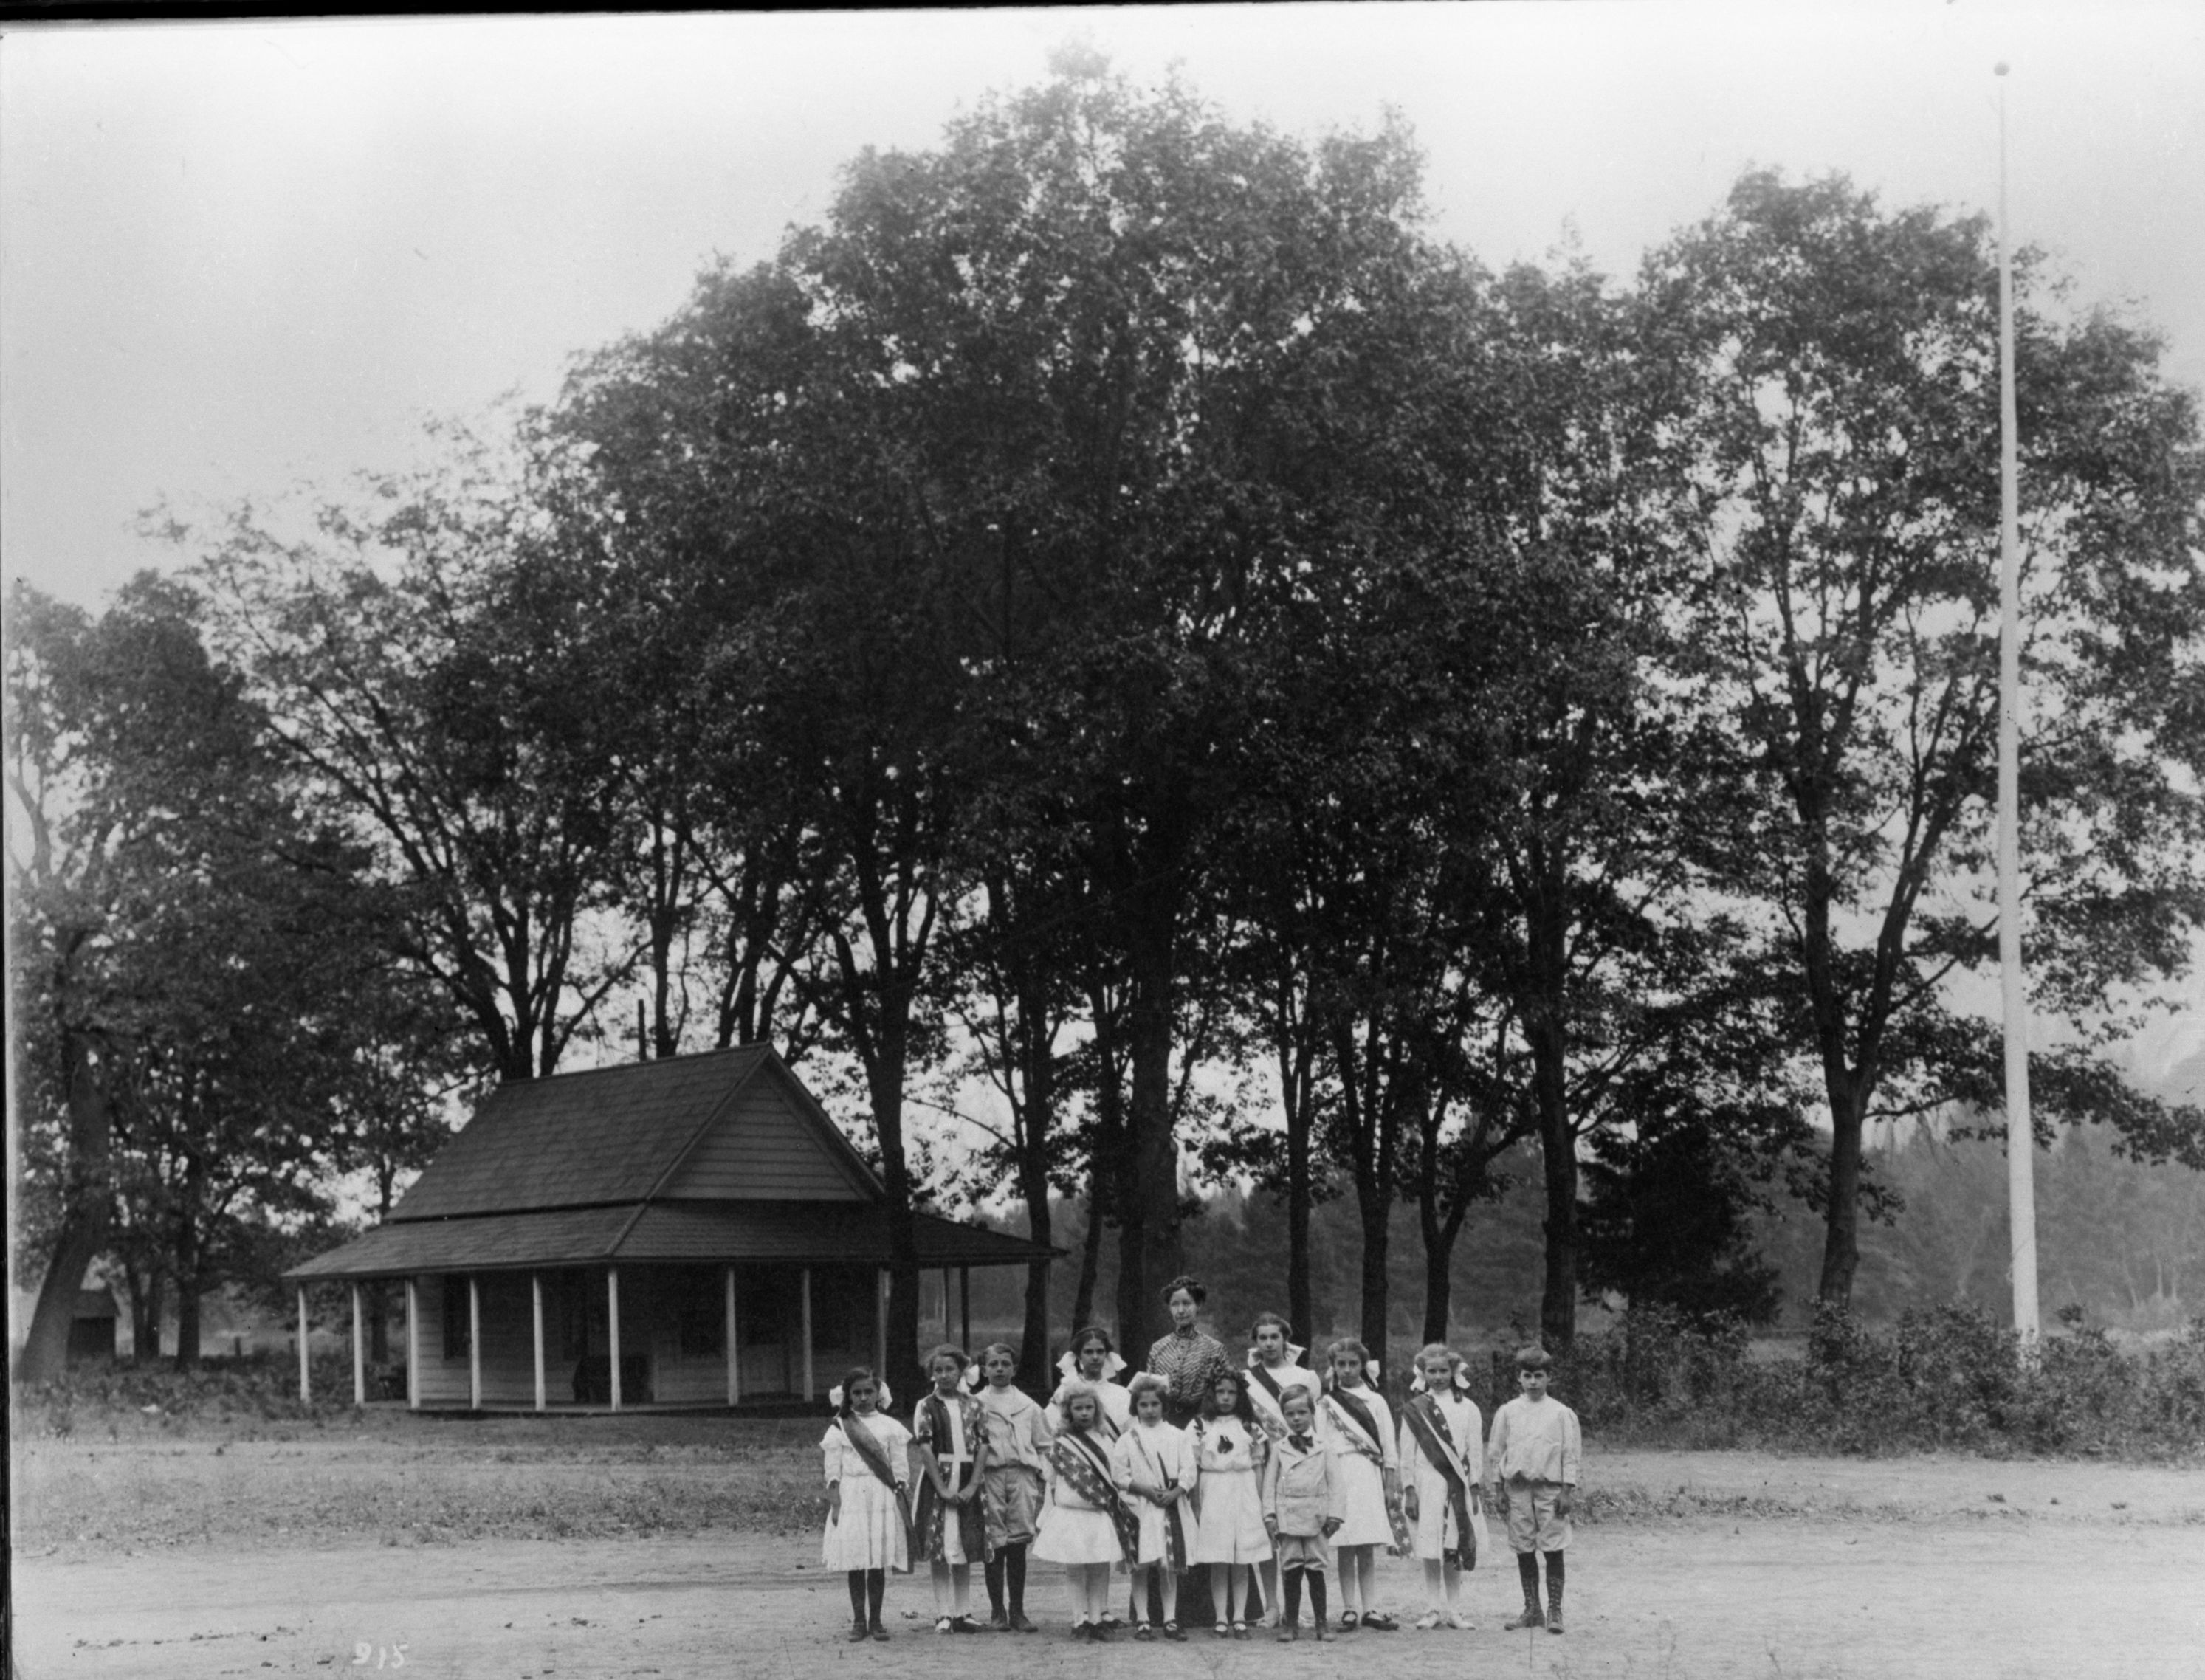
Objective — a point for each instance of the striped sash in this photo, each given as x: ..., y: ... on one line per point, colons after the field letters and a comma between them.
x: 1081, y: 1464
x: 1428, y: 1423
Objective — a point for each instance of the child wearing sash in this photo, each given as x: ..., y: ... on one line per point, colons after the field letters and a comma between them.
x: 868, y: 1464
x: 1081, y: 1525
x: 1018, y: 1456
x: 951, y: 1449
x: 1367, y: 1459
x: 1274, y: 1374
x: 1093, y: 1359
x: 1229, y: 1450
x: 1532, y: 1463
x: 1302, y: 1510
x: 1150, y: 1462
x: 1443, y: 1470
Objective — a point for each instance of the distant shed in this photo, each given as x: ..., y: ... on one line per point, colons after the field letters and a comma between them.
x: 687, y: 1233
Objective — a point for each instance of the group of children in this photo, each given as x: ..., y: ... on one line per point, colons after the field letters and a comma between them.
x: 1282, y: 1472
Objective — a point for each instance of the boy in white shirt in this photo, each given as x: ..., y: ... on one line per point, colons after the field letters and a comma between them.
x: 1533, y: 1458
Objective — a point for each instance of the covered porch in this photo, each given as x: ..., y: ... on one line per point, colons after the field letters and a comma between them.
x: 498, y: 1321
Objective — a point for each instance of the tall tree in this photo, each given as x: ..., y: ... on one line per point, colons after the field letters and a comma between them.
x: 1844, y: 609
x: 421, y: 658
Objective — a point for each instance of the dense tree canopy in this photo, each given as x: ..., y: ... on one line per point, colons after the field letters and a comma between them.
x: 1116, y: 613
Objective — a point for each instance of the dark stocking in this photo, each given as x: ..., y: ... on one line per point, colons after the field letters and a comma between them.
x: 995, y: 1585
x: 1527, y: 1566
x: 857, y: 1596
x: 1316, y: 1595
x: 1554, y: 1581
x: 876, y: 1587
x: 1290, y: 1590
x: 1014, y: 1576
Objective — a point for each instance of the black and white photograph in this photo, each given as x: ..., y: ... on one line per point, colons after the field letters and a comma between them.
x: 891, y: 842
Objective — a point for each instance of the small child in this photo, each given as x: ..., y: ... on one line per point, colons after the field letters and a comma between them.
x: 1093, y: 1359
x: 1017, y: 1438
x: 1151, y: 1462
x: 1303, y: 1508
x: 867, y: 1456
x: 1443, y: 1474
x: 950, y: 1451
x: 1086, y: 1526
x: 1273, y: 1374
x: 1368, y: 1462
x: 1533, y: 1459
x: 1229, y: 1450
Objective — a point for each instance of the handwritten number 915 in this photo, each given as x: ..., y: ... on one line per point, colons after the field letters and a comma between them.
x: 384, y: 1656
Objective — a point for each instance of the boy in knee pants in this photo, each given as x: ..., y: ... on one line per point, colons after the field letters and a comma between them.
x: 1533, y: 1458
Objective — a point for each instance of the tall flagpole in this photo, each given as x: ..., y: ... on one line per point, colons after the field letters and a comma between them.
x: 2020, y: 1136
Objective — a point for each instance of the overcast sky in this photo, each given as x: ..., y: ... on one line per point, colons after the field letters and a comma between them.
x: 238, y: 256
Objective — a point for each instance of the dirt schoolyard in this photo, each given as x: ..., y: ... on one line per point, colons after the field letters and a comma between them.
x: 688, y: 1547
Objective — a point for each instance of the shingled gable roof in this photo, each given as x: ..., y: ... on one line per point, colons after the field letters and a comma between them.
x: 606, y: 1138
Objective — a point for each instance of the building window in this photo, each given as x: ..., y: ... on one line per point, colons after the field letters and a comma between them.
x: 459, y: 1322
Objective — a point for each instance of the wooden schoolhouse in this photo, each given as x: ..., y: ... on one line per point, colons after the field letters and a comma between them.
x: 689, y: 1232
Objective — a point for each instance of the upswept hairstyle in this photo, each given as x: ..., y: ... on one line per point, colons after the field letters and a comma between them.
x: 1196, y: 1292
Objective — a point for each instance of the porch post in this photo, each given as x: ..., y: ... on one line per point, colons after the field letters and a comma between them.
x: 612, y: 1327
x: 474, y: 1342
x: 948, y: 1325
x: 734, y: 1373
x: 965, y: 1300
x: 536, y: 1289
x: 305, y: 1386
x: 413, y: 1342
x: 358, y: 1351
x: 807, y: 1291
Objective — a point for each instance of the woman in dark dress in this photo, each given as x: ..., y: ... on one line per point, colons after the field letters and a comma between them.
x: 1186, y: 1358
x: 1190, y: 1363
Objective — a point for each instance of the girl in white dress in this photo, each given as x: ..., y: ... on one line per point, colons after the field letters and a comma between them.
x: 1367, y: 1460
x: 1443, y: 1446
x: 868, y: 1464
x: 1228, y: 1449
x: 1151, y: 1467
x: 1079, y: 1523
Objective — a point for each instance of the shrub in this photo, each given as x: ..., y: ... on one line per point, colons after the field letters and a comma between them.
x: 1945, y: 1378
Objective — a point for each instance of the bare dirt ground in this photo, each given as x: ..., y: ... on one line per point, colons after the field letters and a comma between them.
x: 685, y: 1550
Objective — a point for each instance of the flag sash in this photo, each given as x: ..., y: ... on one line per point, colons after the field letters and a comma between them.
x: 1428, y: 1423
x: 1359, y: 1431
x: 932, y: 1513
x: 1175, y: 1524
x: 1080, y: 1462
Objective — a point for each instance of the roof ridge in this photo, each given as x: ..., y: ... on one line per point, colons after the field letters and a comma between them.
x: 759, y: 1048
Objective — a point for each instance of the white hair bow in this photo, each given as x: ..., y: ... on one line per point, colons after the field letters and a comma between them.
x: 1067, y: 1364
x: 886, y: 1400
x: 1295, y: 1351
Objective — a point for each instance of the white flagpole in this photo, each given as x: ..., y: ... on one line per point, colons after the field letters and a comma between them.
x: 2020, y: 1136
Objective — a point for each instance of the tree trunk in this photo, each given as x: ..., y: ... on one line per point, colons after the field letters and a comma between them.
x: 1841, y: 1231
x: 1377, y: 1213
x: 1149, y: 1250
x: 189, y: 1259
x: 1090, y: 1257
x: 84, y: 1227
x: 1558, y: 1149
x: 1300, y: 1307
x: 1033, y: 1337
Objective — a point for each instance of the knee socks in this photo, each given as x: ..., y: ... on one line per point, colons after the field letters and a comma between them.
x: 877, y: 1587
x: 1554, y: 1581
x: 1317, y: 1594
x: 1007, y: 1569
x: 857, y: 1596
x: 1290, y: 1586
